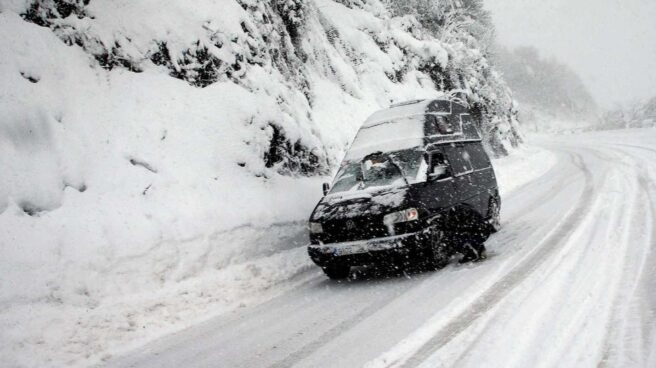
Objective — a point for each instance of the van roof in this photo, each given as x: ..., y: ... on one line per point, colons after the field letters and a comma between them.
x: 409, y: 108
x: 403, y: 126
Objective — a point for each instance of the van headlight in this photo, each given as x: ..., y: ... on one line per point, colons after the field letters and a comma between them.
x: 316, y: 228
x: 411, y: 214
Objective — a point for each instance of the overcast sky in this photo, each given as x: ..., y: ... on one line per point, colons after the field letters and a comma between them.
x: 611, y: 44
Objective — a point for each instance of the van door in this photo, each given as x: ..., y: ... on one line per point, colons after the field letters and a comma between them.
x: 462, y: 173
x: 440, y: 192
x: 483, y: 178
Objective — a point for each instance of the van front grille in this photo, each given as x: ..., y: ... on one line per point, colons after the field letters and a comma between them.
x: 359, y: 228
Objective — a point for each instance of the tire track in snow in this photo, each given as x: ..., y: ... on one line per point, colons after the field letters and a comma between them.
x: 633, y: 220
x: 633, y: 317
x: 534, y: 201
x: 316, y: 344
x: 344, y: 325
x: 312, y: 346
x: 617, y: 324
x: 646, y: 262
x: 503, y: 286
x: 634, y: 146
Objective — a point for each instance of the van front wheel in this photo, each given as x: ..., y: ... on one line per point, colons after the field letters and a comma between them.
x: 437, y: 252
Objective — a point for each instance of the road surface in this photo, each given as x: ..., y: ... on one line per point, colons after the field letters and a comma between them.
x: 571, y: 281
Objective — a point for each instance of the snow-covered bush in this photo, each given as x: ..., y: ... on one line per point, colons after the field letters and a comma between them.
x: 271, y: 37
x: 638, y: 114
x: 293, y: 15
x: 47, y: 12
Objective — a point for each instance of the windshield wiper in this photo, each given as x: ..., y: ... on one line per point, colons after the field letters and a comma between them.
x: 398, y: 167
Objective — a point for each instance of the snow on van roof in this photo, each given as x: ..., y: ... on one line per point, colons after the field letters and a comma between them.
x: 403, y: 109
x: 401, y: 126
x: 391, y: 134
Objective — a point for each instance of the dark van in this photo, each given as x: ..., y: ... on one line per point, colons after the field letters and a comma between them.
x: 416, y: 185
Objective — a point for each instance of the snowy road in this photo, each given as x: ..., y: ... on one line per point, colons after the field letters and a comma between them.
x: 570, y: 282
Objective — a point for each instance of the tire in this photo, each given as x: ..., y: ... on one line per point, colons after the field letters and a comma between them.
x: 494, y: 215
x: 472, y: 252
x: 337, y: 272
x: 437, y: 253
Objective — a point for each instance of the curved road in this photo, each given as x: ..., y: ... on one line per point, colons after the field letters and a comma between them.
x: 571, y: 281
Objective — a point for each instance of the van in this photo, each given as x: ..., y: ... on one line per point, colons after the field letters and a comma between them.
x: 416, y: 186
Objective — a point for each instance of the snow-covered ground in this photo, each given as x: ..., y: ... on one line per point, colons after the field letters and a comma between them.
x: 133, y: 205
x: 92, y: 325
x: 568, y: 283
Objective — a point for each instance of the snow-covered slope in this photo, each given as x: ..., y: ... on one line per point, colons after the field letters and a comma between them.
x: 158, y: 156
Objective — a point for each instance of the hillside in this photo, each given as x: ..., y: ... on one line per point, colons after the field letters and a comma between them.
x: 552, y: 96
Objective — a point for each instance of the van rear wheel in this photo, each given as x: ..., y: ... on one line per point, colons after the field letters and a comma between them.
x: 437, y: 252
x: 337, y: 271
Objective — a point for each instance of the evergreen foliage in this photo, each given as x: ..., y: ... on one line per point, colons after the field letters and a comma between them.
x: 277, y: 37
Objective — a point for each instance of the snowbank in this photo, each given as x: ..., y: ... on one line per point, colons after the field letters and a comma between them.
x: 130, y: 202
x: 521, y: 167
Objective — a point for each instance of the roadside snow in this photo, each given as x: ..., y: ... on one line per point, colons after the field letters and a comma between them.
x: 131, y: 205
x: 64, y: 326
x: 521, y: 167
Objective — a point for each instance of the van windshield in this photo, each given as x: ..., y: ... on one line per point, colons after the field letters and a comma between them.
x: 379, y: 170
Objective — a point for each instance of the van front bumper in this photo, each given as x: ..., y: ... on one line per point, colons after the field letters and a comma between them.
x: 363, y: 252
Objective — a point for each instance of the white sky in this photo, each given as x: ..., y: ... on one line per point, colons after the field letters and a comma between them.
x: 611, y: 44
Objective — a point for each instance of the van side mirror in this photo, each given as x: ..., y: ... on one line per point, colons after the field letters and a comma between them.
x: 326, y: 188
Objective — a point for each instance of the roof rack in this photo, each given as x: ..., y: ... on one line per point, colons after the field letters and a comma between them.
x: 404, y: 103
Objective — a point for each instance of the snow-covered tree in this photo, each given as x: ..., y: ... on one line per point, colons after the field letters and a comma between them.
x: 466, y: 29
x: 285, y: 37
x: 635, y: 114
x: 545, y: 88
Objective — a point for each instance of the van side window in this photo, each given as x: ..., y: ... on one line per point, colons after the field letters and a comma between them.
x: 439, y: 125
x: 455, y: 123
x: 438, y: 159
x: 469, y: 127
x: 460, y: 159
x: 439, y: 166
x: 479, y: 158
